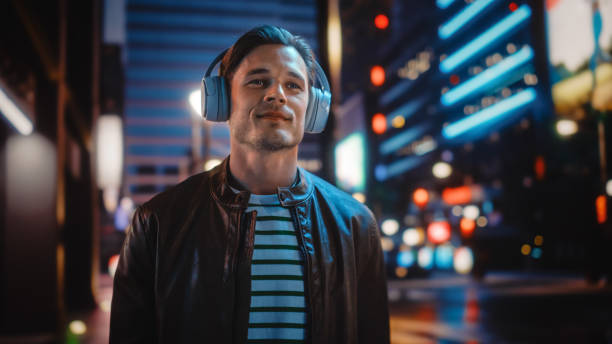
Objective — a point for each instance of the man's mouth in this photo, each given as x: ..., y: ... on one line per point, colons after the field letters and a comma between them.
x: 273, y: 115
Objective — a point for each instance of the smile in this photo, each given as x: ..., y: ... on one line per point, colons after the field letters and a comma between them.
x: 275, y: 116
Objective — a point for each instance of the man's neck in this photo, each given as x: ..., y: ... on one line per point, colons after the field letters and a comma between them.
x: 263, y: 172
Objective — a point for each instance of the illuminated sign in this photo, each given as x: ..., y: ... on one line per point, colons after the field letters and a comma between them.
x: 349, y: 157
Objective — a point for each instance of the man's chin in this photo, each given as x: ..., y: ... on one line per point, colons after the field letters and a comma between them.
x: 274, y: 145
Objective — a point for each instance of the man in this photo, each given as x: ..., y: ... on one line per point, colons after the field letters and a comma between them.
x: 257, y: 250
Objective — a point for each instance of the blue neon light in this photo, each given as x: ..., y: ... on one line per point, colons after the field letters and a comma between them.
x: 405, y: 259
x: 384, y: 172
x: 444, y: 3
x: 395, y: 91
x: 479, y: 43
x: 400, y: 140
x: 465, y: 15
x: 407, y: 109
x: 536, y: 253
x: 444, y: 256
x: 488, y: 77
x: 492, y: 113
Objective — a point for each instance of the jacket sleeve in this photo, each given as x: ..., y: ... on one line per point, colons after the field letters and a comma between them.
x: 372, y: 303
x: 133, y: 303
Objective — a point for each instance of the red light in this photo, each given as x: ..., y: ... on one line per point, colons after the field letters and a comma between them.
x: 454, y: 79
x: 438, y: 232
x: 381, y: 21
x: 550, y: 4
x: 459, y: 195
x: 379, y: 123
x: 539, y: 167
x: 112, y: 264
x: 420, y: 197
x: 513, y: 6
x: 467, y: 226
x: 602, y: 208
x: 377, y: 75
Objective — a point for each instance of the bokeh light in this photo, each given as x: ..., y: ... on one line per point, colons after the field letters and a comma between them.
x: 377, y: 75
x: 536, y: 253
x: 379, y: 123
x: 211, y: 163
x: 386, y: 244
x: 398, y: 121
x: 526, y: 249
x: 381, y: 21
x: 425, y: 257
x: 538, y: 240
x: 359, y: 196
x: 413, y: 236
x: 463, y: 260
x: 471, y: 212
x: 442, y: 170
x: 438, y: 232
x: 420, y: 197
x: 482, y: 221
x: 390, y: 226
x: 405, y: 258
x: 457, y: 210
x: 77, y: 327
x: 467, y: 226
x: 444, y: 256
x: 112, y: 265
x: 566, y: 127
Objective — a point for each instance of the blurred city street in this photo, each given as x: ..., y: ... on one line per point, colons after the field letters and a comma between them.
x: 502, y: 308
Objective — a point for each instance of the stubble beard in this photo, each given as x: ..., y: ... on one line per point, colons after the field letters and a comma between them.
x: 274, y: 142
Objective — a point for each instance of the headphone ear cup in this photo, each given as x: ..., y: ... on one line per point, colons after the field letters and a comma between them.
x: 317, y: 110
x: 215, y: 99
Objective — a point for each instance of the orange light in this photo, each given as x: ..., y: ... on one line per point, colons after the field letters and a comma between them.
x: 539, y: 167
x: 454, y: 79
x: 438, y: 232
x: 381, y: 21
x: 467, y: 226
x: 379, y: 123
x: 377, y: 75
x: 459, y: 195
x: 112, y: 264
x: 601, y: 208
x: 513, y: 6
x: 420, y: 197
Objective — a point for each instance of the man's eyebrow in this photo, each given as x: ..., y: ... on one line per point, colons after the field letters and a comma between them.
x: 257, y: 71
x: 266, y: 71
x: 297, y: 76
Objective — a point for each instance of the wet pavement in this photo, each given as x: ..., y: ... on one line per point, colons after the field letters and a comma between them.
x: 502, y: 308
x: 449, y: 308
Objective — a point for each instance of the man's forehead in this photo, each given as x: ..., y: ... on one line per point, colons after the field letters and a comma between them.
x: 272, y: 56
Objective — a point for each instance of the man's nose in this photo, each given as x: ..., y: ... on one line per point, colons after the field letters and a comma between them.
x: 275, y: 94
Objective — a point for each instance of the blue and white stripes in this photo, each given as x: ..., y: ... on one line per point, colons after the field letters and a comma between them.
x: 278, y: 306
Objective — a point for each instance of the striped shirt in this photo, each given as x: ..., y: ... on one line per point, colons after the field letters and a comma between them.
x: 278, y: 309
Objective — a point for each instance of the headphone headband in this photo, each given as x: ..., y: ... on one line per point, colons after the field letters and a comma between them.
x: 214, y: 62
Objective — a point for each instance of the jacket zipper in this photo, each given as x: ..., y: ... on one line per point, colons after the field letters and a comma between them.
x: 246, y: 237
x: 307, y: 270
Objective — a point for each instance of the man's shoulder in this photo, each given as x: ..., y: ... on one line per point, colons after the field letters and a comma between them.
x: 178, y: 195
x: 341, y: 200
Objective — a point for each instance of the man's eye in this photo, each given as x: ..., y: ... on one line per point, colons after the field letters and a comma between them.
x: 294, y: 85
x: 257, y: 82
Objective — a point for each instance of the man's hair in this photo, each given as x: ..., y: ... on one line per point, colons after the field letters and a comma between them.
x: 262, y: 35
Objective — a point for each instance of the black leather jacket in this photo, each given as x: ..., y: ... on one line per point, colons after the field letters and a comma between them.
x: 184, y: 271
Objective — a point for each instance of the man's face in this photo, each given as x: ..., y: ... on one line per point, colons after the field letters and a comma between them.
x: 269, y: 94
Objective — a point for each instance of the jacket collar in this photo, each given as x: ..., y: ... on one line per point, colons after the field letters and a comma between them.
x: 288, y: 196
